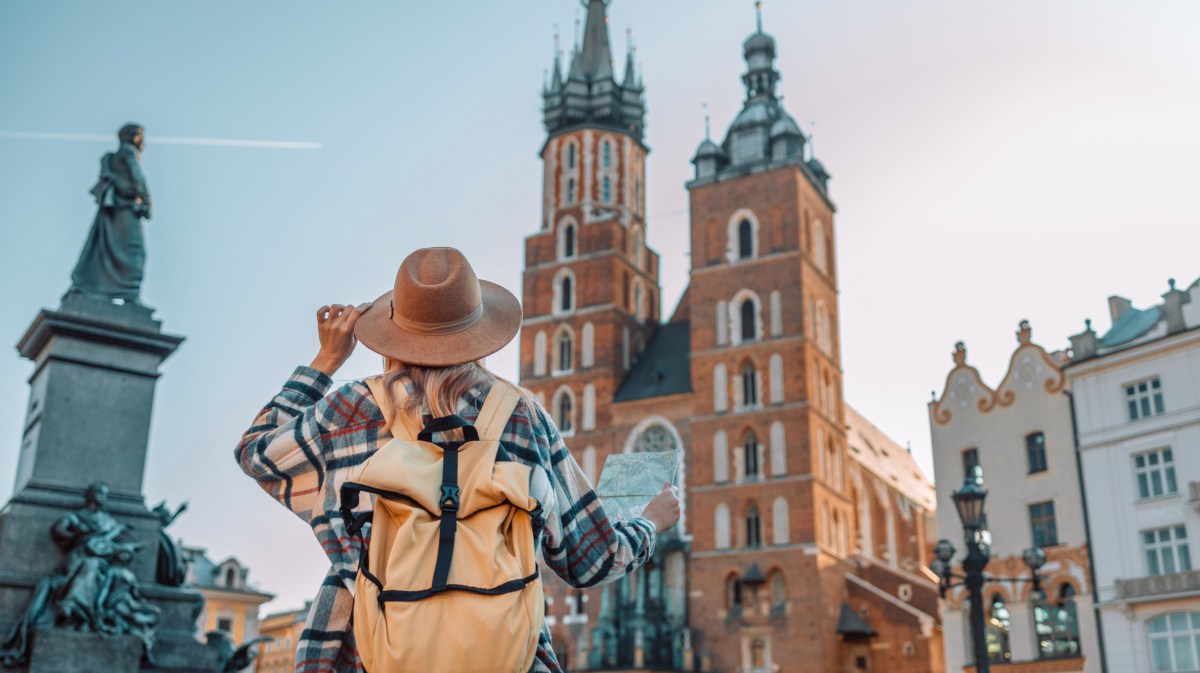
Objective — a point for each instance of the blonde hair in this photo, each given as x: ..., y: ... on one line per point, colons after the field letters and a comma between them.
x: 440, y: 389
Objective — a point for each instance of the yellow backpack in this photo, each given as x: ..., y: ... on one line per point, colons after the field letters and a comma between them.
x: 449, y: 582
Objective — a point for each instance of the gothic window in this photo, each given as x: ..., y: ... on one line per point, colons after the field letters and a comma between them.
x: 778, y: 450
x: 998, y: 626
x: 539, y: 354
x: 720, y: 457
x: 587, y: 358
x: 779, y: 521
x: 566, y: 350
x: 721, y: 526
x: 655, y: 438
x: 722, y: 324
x: 776, y: 313
x: 571, y: 155
x: 606, y: 189
x: 778, y: 592
x: 819, y: 252
x: 1056, y: 625
x: 589, y: 407
x: 566, y: 248
x: 745, y: 232
x: 776, y: 372
x: 564, y: 292
x: 742, y: 236
x: 720, y: 387
x: 564, y: 411
x: 753, y: 528
x: 749, y: 385
x: 606, y: 154
x: 748, y: 320
x: 733, y: 593
x: 750, y: 454
x: 570, y: 191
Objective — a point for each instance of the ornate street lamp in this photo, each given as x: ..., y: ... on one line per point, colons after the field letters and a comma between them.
x: 968, y: 501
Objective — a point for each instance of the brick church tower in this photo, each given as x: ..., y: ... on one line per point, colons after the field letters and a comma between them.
x: 804, y: 529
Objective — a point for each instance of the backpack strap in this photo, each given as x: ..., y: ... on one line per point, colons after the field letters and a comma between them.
x: 405, y: 427
x: 497, y: 408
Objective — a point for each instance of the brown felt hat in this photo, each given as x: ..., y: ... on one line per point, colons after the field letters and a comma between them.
x: 439, y: 313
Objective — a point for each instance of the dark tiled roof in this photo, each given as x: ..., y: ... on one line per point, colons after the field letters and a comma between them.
x: 664, y: 368
x: 850, y: 623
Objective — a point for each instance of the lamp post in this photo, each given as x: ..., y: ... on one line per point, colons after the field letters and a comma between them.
x: 968, y: 501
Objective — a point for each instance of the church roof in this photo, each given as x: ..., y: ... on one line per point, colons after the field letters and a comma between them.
x: 664, y: 368
x: 889, y: 461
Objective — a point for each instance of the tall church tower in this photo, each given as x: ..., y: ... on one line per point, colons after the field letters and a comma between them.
x: 768, y: 465
x: 590, y: 287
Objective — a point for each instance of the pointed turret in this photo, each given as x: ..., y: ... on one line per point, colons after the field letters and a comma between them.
x: 590, y: 94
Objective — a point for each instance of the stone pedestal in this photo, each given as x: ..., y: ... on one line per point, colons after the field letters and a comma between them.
x: 88, y: 420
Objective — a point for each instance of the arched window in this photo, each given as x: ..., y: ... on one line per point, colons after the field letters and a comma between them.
x: 750, y: 454
x: 819, y: 253
x: 753, y: 527
x: 749, y: 385
x: 1174, y: 638
x: 779, y: 521
x: 539, y: 354
x: 720, y: 457
x: 778, y: 592
x: 566, y: 350
x: 567, y: 291
x: 570, y: 190
x: 721, y: 526
x: 230, y: 577
x: 776, y: 313
x: 776, y: 372
x: 605, y: 154
x: 588, y: 357
x: 564, y: 411
x: 720, y: 386
x: 778, y: 450
x: 655, y: 438
x: 589, y: 407
x: 1057, y: 627
x: 998, y: 625
x: 733, y: 593
x: 748, y: 320
x: 606, y: 189
x: 567, y: 243
x: 564, y: 292
x: 570, y: 155
x: 745, y: 233
x: 722, y: 324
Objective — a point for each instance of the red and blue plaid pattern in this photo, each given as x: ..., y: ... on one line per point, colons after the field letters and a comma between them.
x: 304, y: 442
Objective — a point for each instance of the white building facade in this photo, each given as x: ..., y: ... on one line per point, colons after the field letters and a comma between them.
x: 1136, y: 394
x: 1021, y: 435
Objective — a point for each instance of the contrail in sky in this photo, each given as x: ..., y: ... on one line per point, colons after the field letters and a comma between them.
x: 169, y: 140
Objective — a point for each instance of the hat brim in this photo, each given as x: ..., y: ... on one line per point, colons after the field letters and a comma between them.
x: 500, y: 322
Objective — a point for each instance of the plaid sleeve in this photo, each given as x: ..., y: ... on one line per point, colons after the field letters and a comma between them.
x: 580, y: 544
x: 287, y: 447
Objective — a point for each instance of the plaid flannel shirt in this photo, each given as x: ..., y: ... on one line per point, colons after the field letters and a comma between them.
x: 304, y: 443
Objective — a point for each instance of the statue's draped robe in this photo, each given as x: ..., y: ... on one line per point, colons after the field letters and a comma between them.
x: 113, y: 259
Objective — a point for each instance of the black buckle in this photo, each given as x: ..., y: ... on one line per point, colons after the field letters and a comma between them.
x: 449, y: 499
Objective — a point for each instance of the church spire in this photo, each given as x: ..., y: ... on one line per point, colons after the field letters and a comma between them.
x: 596, y: 56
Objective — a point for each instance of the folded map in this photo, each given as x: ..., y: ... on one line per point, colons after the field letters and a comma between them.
x: 631, y: 480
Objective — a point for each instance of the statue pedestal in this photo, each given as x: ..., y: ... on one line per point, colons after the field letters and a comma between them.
x: 88, y: 420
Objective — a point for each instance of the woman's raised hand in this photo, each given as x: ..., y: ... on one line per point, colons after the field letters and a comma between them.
x: 335, y: 327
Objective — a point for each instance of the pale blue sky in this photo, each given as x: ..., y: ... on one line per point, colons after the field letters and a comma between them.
x: 991, y: 162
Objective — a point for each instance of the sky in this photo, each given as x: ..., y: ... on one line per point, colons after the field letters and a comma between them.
x: 991, y: 162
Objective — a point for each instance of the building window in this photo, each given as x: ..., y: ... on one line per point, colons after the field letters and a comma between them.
x: 571, y: 155
x: 778, y: 593
x: 753, y: 528
x: 570, y: 190
x: 1144, y: 399
x: 750, y: 454
x: 749, y: 385
x: 1174, y: 639
x: 225, y: 624
x: 745, y: 232
x: 566, y: 297
x: 720, y: 457
x: 824, y: 329
x: 606, y: 189
x: 1056, y: 626
x: 721, y: 532
x: 1166, y: 550
x: 568, y: 241
x: 758, y: 653
x: 1042, y: 523
x: 1035, y: 452
x: 720, y: 402
x: 605, y: 154
x: 749, y: 319
x: 970, y: 460
x: 564, y: 408
x: 733, y: 594
x: 230, y: 577
x: 1155, y: 473
x: 566, y: 349
x: 780, y: 523
x: 998, y: 627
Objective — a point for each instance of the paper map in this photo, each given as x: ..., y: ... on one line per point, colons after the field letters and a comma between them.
x: 631, y: 480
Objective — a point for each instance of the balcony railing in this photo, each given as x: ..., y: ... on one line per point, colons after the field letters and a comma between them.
x: 1158, y: 585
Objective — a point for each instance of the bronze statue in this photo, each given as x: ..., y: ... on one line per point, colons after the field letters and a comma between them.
x: 93, y: 589
x: 232, y: 659
x: 172, y: 567
x: 113, y: 259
